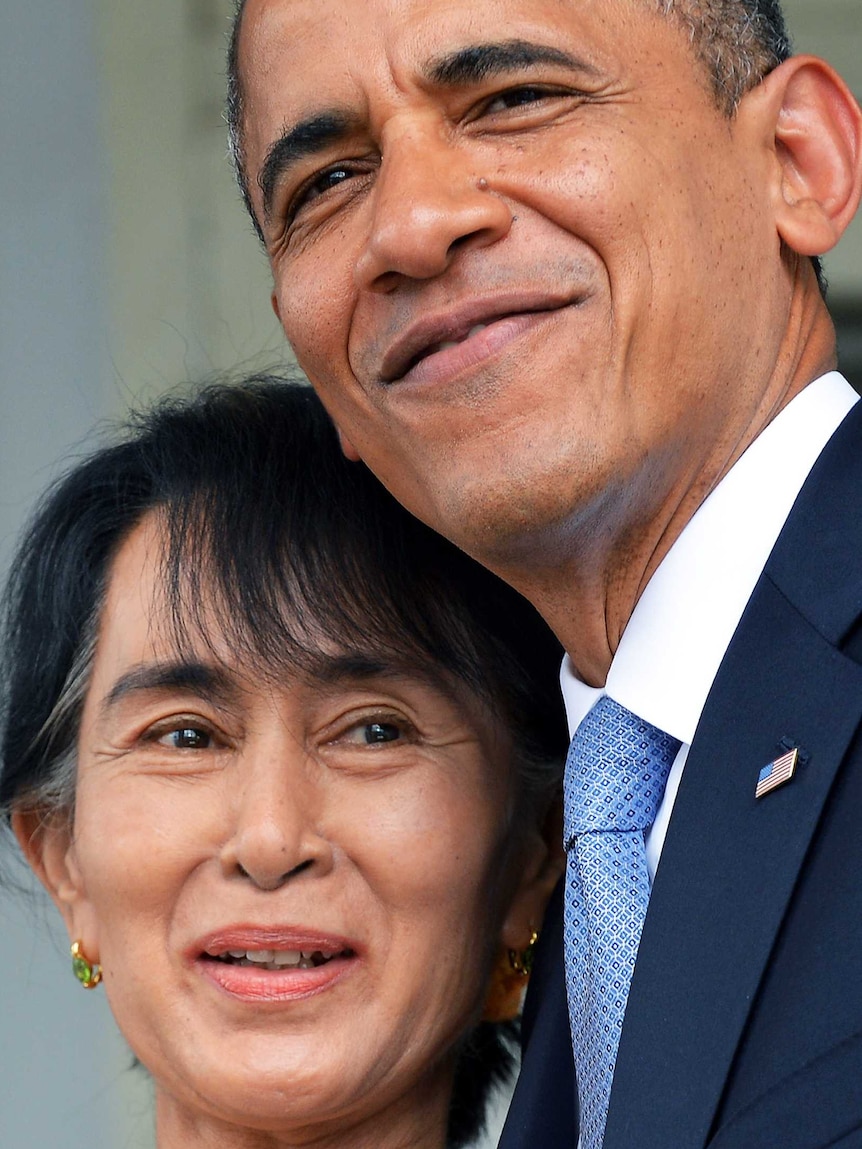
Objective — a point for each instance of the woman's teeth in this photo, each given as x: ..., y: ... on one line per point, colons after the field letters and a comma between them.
x: 277, y: 959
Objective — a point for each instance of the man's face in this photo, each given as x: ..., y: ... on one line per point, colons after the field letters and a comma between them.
x: 512, y: 244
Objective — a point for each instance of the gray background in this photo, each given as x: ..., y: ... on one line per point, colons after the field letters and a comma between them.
x: 126, y: 266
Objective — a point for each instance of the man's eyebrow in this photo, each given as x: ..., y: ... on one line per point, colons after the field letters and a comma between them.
x: 207, y: 682
x: 304, y: 138
x: 466, y: 65
x: 479, y: 61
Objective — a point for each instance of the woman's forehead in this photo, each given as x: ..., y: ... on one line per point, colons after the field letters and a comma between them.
x: 160, y: 630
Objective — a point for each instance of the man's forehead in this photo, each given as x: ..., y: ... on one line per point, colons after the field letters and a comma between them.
x: 298, y: 57
x: 413, y: 30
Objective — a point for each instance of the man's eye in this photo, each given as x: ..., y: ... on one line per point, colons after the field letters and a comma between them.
x: 187, y: 738
x: 320, y: 185
x: 518, y: 98
x: 329, y: 179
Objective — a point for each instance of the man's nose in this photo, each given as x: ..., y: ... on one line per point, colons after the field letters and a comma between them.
x: 275, y: 816
x: 428, y: 204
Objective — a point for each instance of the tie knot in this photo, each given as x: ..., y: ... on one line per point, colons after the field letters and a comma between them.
x: 616, y: 771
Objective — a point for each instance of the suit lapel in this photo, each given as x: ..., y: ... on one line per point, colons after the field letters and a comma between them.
x: 730, y: 862
x: 727, y: 871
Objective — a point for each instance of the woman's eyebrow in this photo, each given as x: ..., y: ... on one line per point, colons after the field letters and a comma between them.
x: 351, y: 666
x: 479, y: 61
x: 208, y: 682
x: 357, y: 668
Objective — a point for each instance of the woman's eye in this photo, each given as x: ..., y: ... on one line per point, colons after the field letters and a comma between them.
x: 187, y: 738
x: 375, y: 732
x: 381, y: 732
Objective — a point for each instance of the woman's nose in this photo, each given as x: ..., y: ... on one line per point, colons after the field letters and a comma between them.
x: 428, y: 204
x: 275, y: 814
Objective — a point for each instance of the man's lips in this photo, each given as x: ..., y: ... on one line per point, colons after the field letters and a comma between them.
x: 486, y: 324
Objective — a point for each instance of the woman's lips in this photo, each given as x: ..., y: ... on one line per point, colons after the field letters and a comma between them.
x: 257, y: 982
x: 274, y: 964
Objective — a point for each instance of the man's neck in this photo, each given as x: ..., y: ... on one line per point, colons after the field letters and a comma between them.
x: 587, y: 595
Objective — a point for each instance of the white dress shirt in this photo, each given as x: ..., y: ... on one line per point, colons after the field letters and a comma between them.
x: 682, y: 625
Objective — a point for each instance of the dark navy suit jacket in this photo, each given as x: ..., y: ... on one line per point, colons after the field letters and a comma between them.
x: 744, y: 1023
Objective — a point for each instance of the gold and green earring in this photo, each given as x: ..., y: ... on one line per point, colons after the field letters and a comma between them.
x: 522, y: 961
x: 88, y: 974
x: 508, y: 981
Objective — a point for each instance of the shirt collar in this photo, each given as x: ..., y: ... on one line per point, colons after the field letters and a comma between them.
x: 679, y: 631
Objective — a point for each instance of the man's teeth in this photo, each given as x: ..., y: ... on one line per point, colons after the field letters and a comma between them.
x: 445, y: 344
x: 278, y: 959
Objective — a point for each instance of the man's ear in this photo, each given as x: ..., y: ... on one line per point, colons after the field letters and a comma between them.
x: 47, y: 845
x: 542, y: 863
x: 817, y: 137
x: 347, y: 448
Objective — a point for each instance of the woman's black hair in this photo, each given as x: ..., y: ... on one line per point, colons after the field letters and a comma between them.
x: 290, y: 545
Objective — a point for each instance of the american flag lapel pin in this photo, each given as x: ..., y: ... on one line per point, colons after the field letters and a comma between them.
x: 777, y: 773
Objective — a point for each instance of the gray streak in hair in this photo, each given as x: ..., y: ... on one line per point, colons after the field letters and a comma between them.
x: 55, y: 793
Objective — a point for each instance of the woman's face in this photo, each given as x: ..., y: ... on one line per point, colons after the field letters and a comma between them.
x: 225, y: 826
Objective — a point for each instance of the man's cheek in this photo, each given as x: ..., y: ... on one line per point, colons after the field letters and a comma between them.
x: 303, y: 335
x: 316, y: 326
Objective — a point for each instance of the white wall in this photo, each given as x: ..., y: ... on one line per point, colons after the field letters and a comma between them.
x: 62, y: 1075
x: 188, y: 283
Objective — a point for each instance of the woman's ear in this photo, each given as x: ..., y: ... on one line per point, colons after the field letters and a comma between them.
x: 47, y: 845
x: 815, y: 125
x: 542, y: 864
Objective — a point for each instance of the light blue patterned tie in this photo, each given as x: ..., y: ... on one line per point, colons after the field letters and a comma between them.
x: 615, y: 777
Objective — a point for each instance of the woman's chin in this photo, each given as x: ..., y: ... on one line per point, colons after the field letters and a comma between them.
x: 235, y: 1072
x: 290, y: 1087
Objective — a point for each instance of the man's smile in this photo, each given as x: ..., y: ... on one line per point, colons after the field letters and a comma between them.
x: 441, y: 345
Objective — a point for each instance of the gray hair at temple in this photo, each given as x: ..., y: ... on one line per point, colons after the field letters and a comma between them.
x: 737, y: 41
